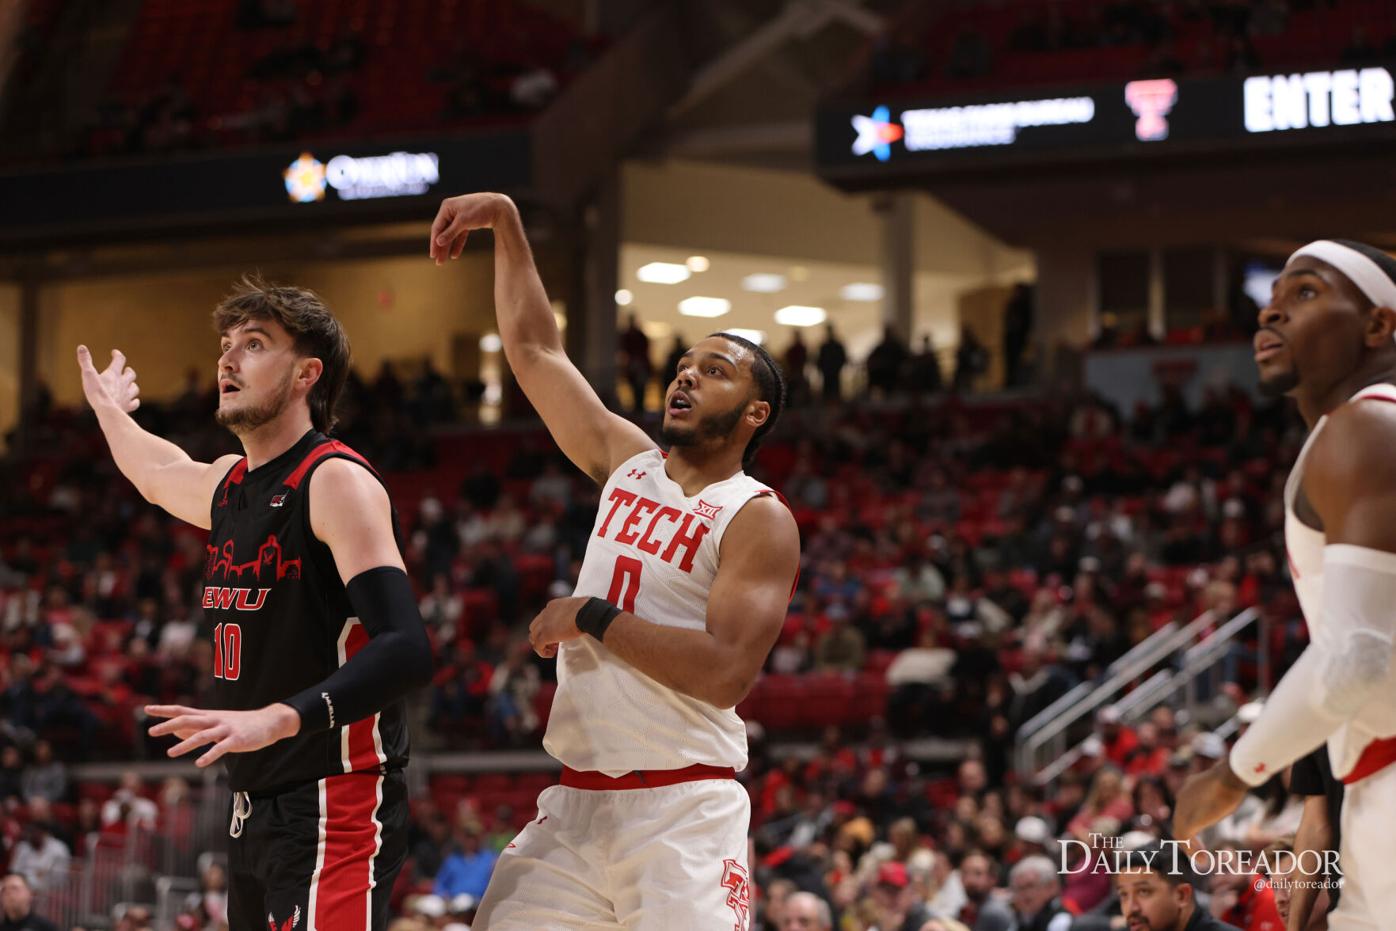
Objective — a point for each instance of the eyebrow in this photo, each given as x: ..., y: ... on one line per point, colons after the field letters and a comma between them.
x: 1295, y: 274
x: 250, y: 329
x: 711, y: 355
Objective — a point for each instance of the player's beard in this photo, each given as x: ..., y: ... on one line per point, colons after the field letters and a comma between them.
x: 247, y: 419
x: 714, y: 426
x: 1279, y: 384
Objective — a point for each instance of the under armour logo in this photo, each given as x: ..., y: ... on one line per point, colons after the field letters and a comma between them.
x: 1259, y: 768
x: 635, y: 473
x: 278, y: 500
x: 707, y: 510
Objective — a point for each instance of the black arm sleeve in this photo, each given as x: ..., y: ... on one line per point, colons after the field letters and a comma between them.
x: 1306, y: 775
x: 396, y: 659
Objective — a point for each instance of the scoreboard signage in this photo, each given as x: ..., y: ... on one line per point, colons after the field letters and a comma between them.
x: 293, y: 184
x: 1144, y: 117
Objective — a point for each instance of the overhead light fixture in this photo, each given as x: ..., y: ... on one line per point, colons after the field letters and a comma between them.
x: 764, y: 283
x: 704, y: 306
x: 491, y: 342
x: 697, y: 263
x: 624, y: 297
x: 662, y: 273
x: 756, y: 336
x: 861, y: 291
x: 800, y: 315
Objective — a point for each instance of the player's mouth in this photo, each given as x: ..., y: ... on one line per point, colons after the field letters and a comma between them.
x: 1266, y: 345
x: 680, y: 404
x: 226, y: 387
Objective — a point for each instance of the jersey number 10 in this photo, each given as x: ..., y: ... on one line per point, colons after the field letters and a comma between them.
x: 227, y: 651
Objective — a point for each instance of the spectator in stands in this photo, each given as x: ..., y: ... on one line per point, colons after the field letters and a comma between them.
x: 45, y: 777
x: 1017, y: 331
x: 1107, y: 799
x: 982, y: 910
x: 805, y: 911
x: 795, y: 363
x: 17, y: 906
x: 637, y: 367
x: 40, y: 857
x: 129, y: 805
x: 134, y: 918
x: 971, y: 360
x: 513, y: 687
x: 896, y: 901
x: 11, y: 775
x: 467, y: 869
x: 1035, y: 886
x: 1161, y: 900
x: 886, y: 363
x: 924, y: 372
x: 1036, y: 684
x: 830, y: 361
x: 209, y: 905
x: 840, y: 648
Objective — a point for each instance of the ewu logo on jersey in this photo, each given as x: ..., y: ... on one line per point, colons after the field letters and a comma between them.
x: 876, y: 133
x: 237, y: 599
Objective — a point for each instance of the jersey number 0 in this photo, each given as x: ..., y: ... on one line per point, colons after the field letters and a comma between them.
x: 625, y: 583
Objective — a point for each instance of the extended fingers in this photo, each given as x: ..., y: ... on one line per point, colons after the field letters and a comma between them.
x: 202, y: 738
x: 183, y: 725
x: 169, y: 711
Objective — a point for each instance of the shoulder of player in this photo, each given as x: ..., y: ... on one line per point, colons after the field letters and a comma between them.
x: 1354, y: 449
x: 762, y: 528
x: 344, y: 486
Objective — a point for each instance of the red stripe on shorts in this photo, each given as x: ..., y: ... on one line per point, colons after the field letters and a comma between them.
x: 360, y: 738
x: 344, y: 887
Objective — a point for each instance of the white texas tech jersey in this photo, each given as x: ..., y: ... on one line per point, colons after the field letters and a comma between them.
x: 1377, y: 718
x: 653, y: 552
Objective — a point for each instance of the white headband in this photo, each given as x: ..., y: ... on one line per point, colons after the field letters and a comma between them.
x: 1369, y: 277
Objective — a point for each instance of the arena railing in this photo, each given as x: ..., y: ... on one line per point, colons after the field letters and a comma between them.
x: 1046, y: 736
x: 1204, y: 663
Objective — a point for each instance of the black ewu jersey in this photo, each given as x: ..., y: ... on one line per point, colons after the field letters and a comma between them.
x: 281, y: 620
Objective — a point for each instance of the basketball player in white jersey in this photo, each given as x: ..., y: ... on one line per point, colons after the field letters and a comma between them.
x: 1326, y: 340
x: 682, y: 594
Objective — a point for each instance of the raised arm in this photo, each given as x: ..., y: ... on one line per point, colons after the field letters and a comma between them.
x: 759, y: 561
x: 595, y: 439
x: 161, y: 471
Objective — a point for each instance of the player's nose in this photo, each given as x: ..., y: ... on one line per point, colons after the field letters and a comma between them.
x: 1269, y: 315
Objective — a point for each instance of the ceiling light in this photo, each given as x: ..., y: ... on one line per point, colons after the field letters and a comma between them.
x: 764, y: 283
x: 861, y: 291
x: 704, y: 306
x: 697, y: 263
x: 624, y: 297
x: 756, y: 336
x: 662, y: 273
x: 491, y: 342
x: 799, y: 315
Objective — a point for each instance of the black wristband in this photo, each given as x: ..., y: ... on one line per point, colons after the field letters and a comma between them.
x: 595, y: 616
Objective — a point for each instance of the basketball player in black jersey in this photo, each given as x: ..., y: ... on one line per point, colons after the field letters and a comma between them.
x: 317, y: 637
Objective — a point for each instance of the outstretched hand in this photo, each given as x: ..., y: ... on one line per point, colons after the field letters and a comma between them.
x: 228, y: 731
x: 458, y: 216
x: 113, y: 387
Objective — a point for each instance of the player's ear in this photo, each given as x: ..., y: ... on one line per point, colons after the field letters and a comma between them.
x: 758, y: 412
x: 310, y: 370
x: 1381, y: 327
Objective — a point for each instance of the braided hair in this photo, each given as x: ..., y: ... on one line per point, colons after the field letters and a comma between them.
x: 770, y: 387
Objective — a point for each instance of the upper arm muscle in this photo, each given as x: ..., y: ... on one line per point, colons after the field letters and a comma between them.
x: 758, y: 563
x: 1350, y: 476
x: 594, y: 438
x: 185, y: 488
x: 350, y: 513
